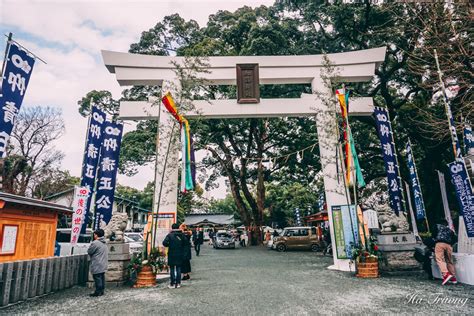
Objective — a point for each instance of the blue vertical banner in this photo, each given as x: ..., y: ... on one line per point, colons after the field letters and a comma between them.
x: 107, y: 175
x: 93, y: 145
x: 15, y: 78
x: 298, y: 216
x: 321, y: 202
x: 463, y: 189
x: 384, y: 130
x: 415, y: 184
x: 468, y: 138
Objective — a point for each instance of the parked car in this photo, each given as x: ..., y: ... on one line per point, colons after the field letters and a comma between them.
x: 137, y: 237
x: 63, y: 237
x: 135, y: 241
x: 298, y: 238
x: 224, y: 239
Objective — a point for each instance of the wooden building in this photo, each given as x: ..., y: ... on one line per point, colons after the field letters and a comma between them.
x: 137, y: 216
x: 27, y: 227
x: 216, y: 221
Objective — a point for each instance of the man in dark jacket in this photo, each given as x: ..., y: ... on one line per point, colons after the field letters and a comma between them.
x: 198, y: 240
x: 176, y: 243
x: 445, y: 238
x: 98, y: 252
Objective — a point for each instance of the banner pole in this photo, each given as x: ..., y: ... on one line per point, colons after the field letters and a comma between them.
x: 449, y: 114
x: 2, y: 159
x: 163, y: 177
x: 26, y: 49
x: 412, y: 215
x: 155, y: 207
x: 9, y: 39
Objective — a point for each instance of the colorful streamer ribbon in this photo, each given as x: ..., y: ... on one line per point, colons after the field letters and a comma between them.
x: 349, y: 144
x: 188, y: 170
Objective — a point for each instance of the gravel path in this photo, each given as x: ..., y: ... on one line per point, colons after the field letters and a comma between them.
x: 255, y: 281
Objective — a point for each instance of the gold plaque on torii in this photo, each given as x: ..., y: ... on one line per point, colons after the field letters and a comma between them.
x: 248, y: 89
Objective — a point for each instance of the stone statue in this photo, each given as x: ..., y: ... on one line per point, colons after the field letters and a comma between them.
x: 389, y: 221
x: 116, y: 226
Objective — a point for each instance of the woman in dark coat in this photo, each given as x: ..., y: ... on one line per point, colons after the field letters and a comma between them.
x: 186, y: 267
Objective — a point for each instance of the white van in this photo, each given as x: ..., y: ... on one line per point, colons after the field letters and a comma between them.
x: 63, y: 237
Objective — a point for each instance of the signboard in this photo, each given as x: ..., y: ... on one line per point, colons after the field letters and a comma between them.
x: 248, y: 89
x: 345, y: 229
x: 464, y: 195
x: 78, y: 207
x: 15, y: 78
x: 8, y: 238
x: 164, y: 222
x: 371, y: 219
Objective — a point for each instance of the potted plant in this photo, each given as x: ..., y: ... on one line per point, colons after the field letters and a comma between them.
x: 367, y: 259
x: 143, y: 272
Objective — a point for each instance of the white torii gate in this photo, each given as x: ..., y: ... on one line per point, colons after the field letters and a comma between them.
x: 355, y: 66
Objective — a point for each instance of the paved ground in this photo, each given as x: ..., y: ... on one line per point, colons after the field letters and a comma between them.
x: 255, y: 281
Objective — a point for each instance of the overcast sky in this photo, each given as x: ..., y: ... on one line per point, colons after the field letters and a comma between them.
x: 69, y: 36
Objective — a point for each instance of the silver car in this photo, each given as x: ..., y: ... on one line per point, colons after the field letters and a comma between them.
x: 224, y: 240
x: 135, y: 241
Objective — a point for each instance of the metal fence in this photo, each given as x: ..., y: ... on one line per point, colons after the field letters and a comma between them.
x: 20, y: 280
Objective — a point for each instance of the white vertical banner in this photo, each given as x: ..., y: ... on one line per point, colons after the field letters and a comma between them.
x: 78, y: 206
x: 444, y: 197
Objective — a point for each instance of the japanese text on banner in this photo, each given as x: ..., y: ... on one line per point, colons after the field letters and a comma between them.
x: 107, y: 174
x: 464, y: 195
x: 16, y: 76
x: 384, y: 130
x: 78, y: 207
x: 468, y: 139
x: 415, y: 184
x: 95, y: 133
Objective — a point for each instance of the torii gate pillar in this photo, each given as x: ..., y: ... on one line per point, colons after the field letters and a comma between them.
x: 356, y: 66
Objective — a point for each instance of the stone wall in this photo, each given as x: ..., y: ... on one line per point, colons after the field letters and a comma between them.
x: 20, y: 280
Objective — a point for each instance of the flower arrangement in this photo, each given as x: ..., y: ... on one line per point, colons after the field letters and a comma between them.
x: 156, y: 260
x: 370, y: 253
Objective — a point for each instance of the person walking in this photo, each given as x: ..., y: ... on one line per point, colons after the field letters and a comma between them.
x: 198, y: 240
x: 268, y: 237
x: 211, y: 237
x: 176, y: 243
x: 186, y: 267
x: 445, y: 238
x: 275, y: 233
x: 98, y: 252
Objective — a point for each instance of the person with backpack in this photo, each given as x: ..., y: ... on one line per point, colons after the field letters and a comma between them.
x: 445, y: 238
x: 176, y: 243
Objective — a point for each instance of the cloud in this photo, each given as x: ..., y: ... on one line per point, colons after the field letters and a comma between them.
x: 69, y: 36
